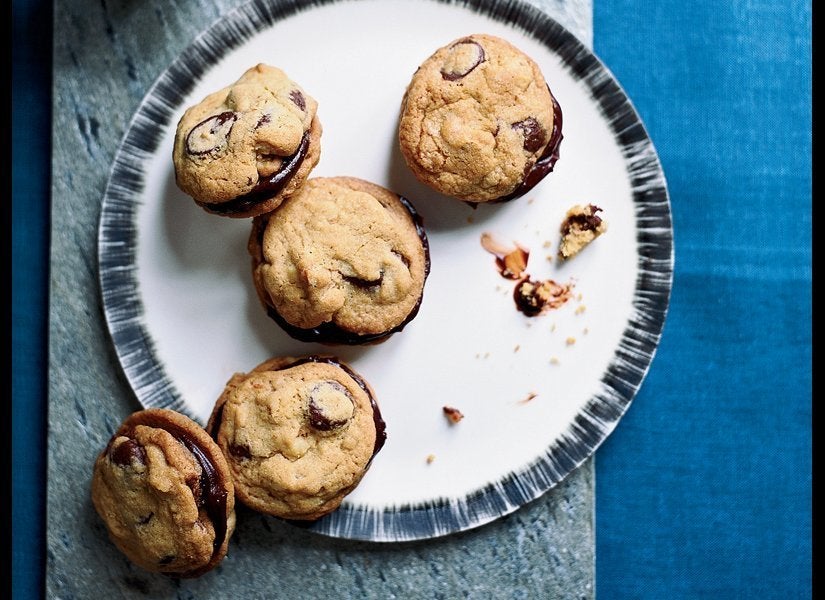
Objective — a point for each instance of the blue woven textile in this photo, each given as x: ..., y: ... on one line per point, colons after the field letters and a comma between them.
x: 704, y: 489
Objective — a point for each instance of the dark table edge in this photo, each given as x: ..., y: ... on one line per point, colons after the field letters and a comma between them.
x: 30, y: 220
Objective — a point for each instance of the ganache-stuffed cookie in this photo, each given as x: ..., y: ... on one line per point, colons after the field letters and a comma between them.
x: 243, y: 150
x: 478, y: 121
x: 165, y: 493
x: 344, y: 262
x: 299, y: 434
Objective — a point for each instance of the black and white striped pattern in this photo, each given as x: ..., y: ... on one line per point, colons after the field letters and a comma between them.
x: 153, y: 387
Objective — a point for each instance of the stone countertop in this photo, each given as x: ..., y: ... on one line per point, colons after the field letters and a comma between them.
x: 106, y: 57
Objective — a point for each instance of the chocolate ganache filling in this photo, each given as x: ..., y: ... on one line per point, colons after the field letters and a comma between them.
x: 266, y: 188
x: 545, y: 163
x: 331, y: 333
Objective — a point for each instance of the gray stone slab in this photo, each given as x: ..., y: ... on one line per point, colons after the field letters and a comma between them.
x: 106, y: 56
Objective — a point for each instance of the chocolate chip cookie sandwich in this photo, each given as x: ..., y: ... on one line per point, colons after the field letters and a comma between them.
x: 479, y: 122
x: 344, y: 262
x: 243, y: 150
x: 165, y: 493
x: 298, y: 433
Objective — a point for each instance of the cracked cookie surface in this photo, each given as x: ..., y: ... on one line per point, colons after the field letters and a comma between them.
x: 298, y: 433
x: 246, y: 148
x: 165, y: 493
x: 478, y: 121
x: 344, y: 261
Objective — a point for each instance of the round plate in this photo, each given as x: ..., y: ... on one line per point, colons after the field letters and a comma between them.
x: 538, y: 394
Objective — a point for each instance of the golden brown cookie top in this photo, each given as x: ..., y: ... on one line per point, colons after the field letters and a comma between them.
x: 298, y: 434
x: 478, y: 121
x: 344, y: 254
x: 245, y: 148
x: 165, y: 493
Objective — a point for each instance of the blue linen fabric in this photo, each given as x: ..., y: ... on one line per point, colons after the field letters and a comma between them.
x: 704, y: 488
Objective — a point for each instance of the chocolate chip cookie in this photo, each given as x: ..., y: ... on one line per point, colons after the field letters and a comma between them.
x: 243, y: 150
x: 299, y: 434
x: 343, y: 262
x: 478, y: 121
x: 165, y: 494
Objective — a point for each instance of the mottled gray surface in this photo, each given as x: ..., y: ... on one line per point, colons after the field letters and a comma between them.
x: 106, y: 56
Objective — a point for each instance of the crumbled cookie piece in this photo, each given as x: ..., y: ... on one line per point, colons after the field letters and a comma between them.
x: 453, y: 414
x: 581, y: 226
x: 534, y: 298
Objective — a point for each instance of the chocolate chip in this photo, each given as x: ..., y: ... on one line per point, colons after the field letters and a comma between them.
x: 364, y: 284
x: 402, y: 258
x: 128, y: 452
x: 265, y: 118
x: 146, y: 519
x: 240, y: 451
x: 210, y: 135
x: 298, y: 98
x: 463, y: 56
x: 534, y: 134
x: 582, y: 222
x: 330, y: 406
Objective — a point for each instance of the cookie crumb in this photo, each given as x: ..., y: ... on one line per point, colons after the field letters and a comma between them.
x: 517, y: 348
x: 580, y: 227
x: 586, y: 330
x: 570, y: 341
x: 580, y: 309
x: 554, y: 360
x: 470, y: 219
x: 453, y: 414
x: 529, y: 397
x: 430, y: 458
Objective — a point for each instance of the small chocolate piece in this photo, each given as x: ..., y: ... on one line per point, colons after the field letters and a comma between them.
x: 298, y: 99
x: 128, y: 452
x: 364, y: 284
x: 146, y: 519
x: 465, y: 55
x: 583, y: 222
x: 240, y: 451
x: 534, y: 134
x: 265, y: 118
x: 210, y: 135
x: 330, y: 406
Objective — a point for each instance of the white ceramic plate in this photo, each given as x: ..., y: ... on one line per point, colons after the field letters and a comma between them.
x: 184, y: 316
